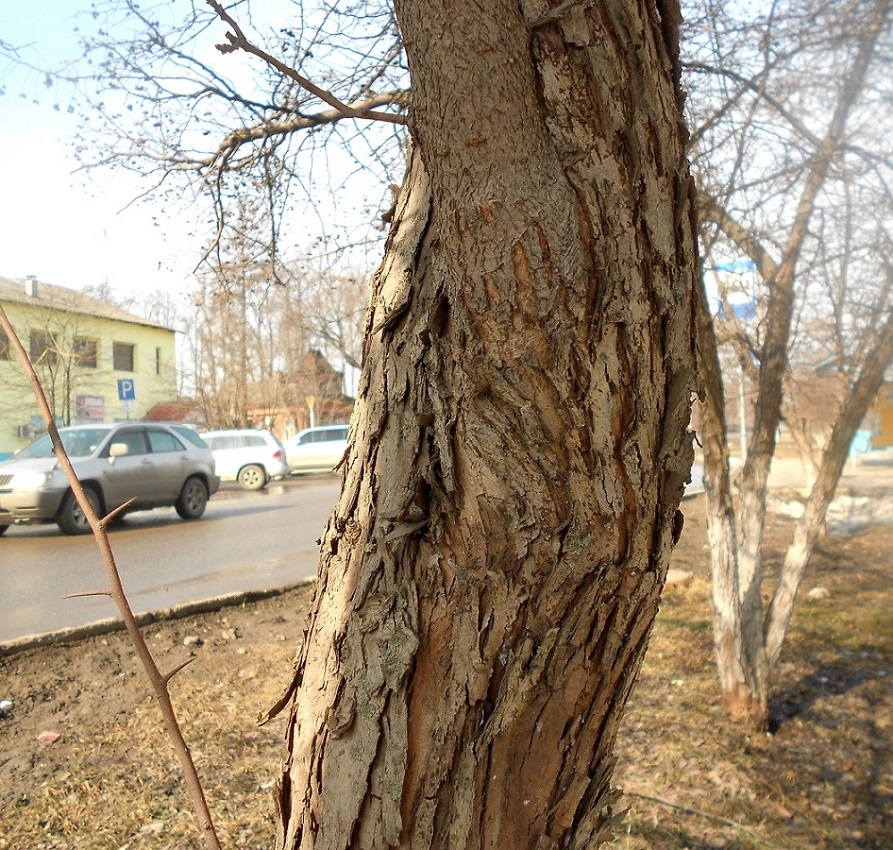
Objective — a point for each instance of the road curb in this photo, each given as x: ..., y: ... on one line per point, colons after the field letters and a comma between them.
x: 175, y: 612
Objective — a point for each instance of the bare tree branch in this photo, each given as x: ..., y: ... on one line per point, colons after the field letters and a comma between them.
x: 237, y: 41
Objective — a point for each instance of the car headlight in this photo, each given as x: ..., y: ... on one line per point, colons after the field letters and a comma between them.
x: 31, y: 480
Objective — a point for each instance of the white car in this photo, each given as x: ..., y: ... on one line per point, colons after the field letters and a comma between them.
x: 253, y: 458
x: 317, y: 449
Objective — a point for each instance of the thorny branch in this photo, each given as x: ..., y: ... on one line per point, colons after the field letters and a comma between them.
x: 99, y: 526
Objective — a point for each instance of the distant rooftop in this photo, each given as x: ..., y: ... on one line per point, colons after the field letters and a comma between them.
x: 38, y: 293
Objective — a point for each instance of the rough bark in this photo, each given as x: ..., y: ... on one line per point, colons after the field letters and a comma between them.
x: 519, y: 448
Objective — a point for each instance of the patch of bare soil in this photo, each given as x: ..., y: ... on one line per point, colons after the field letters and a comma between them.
x: 823, y: 778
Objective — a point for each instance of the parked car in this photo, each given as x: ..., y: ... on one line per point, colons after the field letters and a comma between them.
x: 253, y: 458
x: 150, y: 463
x: 317, y: 449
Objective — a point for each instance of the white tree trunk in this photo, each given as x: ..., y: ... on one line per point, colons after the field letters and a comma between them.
x: 753, y: 481
x: 737, y: 682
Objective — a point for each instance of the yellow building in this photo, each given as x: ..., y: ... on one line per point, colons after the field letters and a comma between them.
x: 96, y: 362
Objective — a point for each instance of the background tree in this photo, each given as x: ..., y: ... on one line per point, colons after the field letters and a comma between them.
x: 63, y: 348
x: 796, y: 96
x: 220, y: 349
x: 333, y: 307
x: 259, y: 348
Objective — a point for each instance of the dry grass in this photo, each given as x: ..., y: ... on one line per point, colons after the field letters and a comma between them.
x: 822, y: 779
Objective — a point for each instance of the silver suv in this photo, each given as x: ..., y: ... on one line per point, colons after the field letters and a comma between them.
x: 155, y: 465
x: 250, y: 457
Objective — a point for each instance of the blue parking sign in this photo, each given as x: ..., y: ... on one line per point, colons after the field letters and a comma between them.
x: 126, y: 389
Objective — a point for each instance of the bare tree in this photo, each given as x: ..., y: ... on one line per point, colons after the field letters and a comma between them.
x: 214, y: 135
x: 334, y: 307
x: 229, y: 351
x: 158, y: 306
x: 63, y: 347
x: 254, y: 344
x: 491, y: 573
x: 791, y: 134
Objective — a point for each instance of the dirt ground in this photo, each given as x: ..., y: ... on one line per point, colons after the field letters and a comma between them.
x: 823, y: 777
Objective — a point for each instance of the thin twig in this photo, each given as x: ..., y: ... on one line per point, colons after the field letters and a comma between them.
x: 688, y: 810
x: 156, y: 678
x: 238, y: 41
x: 83, y: 593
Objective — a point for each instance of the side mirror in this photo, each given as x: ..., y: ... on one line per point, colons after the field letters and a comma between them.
x: 118, y: 449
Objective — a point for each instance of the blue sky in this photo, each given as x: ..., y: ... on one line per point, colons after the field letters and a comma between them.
x: 68, y: 228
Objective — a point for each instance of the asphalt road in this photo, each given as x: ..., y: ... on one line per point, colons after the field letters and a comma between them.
x: 245, y: 541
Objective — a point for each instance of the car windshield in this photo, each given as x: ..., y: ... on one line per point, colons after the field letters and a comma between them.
x: 78, y: 442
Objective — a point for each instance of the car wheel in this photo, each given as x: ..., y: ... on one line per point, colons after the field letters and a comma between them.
x: 193, y: 499
x: 3, y: 529
x: 252, y: 477
x: 71, y: 519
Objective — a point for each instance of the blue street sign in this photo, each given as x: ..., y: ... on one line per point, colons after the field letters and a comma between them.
x: 736, y: 266
x: 126, y: 389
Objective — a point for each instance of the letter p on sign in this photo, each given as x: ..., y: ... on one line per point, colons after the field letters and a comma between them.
x: 126, y: 389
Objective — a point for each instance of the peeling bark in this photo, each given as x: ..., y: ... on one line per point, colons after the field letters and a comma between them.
x: 492, y: 570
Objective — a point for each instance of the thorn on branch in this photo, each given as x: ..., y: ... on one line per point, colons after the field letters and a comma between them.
x: 177, y: 669
x: 110, y: 517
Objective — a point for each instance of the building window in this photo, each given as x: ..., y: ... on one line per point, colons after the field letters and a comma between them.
x: 85, y: 352
x: 122, y: 357
x: 43, y: 348
x: 157, y: 361
x: 5, y: 349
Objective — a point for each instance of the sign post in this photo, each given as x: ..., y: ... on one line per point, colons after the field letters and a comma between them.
x: 127, y: 394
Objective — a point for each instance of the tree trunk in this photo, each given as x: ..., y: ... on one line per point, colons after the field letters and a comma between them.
x: 753, y: 481
x: 737, y: 678
x: 809, y: 526
x: 490, y: 575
